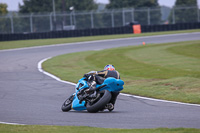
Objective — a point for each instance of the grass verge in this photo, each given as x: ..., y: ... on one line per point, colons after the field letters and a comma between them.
x: 166, y: 71
x: 74, y: 129
x: 41, y: 42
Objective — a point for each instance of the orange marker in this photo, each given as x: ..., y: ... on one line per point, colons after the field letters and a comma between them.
x: 143, y: 43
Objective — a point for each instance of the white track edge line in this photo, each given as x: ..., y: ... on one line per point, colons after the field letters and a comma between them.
x: 8, y: 123
x: 159, y: 100
x: 51, y: 75
x: 139, y: 97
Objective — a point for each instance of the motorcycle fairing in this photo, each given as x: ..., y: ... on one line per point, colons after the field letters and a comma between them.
x: 78, y: 106
x: 113, y: 85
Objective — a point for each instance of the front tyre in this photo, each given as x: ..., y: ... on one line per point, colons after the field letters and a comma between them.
x: 104, y: 98
x: 67, y: 104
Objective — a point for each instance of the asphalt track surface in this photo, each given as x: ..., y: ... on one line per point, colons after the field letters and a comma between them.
x: 28, y: 96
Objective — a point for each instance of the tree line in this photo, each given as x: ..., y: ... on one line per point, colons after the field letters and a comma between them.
x: 34, y: 6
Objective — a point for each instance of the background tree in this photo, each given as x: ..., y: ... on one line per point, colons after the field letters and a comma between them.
x: 4, y: 22
x: 184, y: 11
x: 3, y: 9
x: 40, y: 6
x: 186, y: 3
x: 79, y: 5
x: 131, y: 3
x: 32, y: 6
x: 140, y: 16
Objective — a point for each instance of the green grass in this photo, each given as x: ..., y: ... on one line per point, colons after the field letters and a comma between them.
x: 41, y: 42
x: 74, y: 129
x: 165, y: 71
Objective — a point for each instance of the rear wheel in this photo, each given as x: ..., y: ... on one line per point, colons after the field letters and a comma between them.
x: 67, y: 104
x: 104, y: 98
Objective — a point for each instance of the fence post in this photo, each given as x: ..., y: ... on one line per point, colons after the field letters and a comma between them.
x: 149, y: 19
x: 197, y: 14
x: 112, y: 19
x: 31, y: 22
x: 71, y: 19
x: 50, y: 19
x: 92, y: 20
x: 132, y: 14
x: 173, y: 15
x: 123, y: 17
x: 54, y: 11
x: 74, y: 18
x: 11, y: 22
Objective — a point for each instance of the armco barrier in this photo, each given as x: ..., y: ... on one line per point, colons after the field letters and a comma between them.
x: 94, y: 32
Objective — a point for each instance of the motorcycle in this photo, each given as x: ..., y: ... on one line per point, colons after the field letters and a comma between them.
x: 97, y: 100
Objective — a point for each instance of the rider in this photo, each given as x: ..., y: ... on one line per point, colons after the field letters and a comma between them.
x: 98, y: 77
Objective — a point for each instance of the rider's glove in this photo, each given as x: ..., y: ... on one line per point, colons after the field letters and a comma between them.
x: 86, y: 76
x: 89, y: 77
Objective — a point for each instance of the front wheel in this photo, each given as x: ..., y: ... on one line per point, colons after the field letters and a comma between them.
x: 104, y: 98
x: 67, y: 104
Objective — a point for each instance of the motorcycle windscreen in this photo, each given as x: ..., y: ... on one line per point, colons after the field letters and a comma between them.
x: 77, y: 106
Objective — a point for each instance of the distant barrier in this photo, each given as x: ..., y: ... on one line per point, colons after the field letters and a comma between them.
x: 101, y: 31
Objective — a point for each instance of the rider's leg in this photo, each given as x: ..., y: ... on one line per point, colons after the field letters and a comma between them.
x: 114, y: 97
x: 110, y: 105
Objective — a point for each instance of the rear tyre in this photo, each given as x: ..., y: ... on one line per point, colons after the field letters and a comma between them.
x: 67, y: 105
x: 104, y: 98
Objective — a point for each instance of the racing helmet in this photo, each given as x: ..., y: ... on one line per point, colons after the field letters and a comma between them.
x: 109, y: 67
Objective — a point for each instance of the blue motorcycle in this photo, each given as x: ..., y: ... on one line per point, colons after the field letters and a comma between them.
x: 94, y: 101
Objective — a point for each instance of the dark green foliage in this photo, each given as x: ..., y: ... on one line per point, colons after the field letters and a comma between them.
x: 60, y: 5
x: 32, y: 6
x: 132, y: 3
x: 143, y: 9
x: 5, y: 25
x: 3, y: 9
x: 185, y: 11
x: 79, y: 5
x: 4, y: 22
x: 43, y: 23
x: 186, y: 2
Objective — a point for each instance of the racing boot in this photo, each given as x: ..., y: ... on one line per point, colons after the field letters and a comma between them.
x: 110, y: 106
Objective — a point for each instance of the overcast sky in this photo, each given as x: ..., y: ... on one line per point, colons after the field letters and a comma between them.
x: 13, y: 4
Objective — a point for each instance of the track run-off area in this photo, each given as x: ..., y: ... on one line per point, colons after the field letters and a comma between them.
x: 31, y: 96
